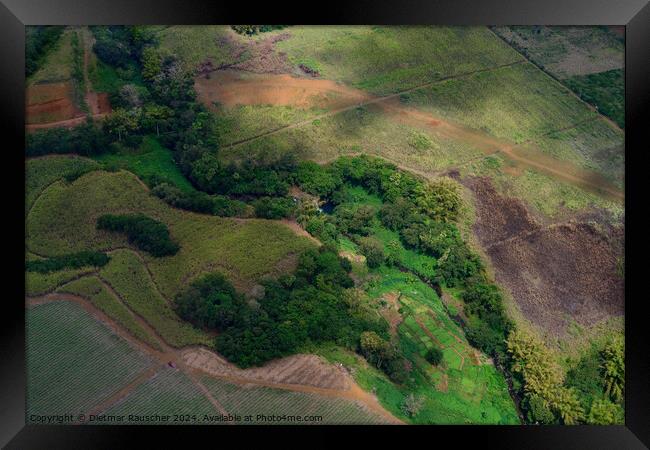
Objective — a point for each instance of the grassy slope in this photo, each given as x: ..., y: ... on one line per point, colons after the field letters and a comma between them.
x: 475, y: 393
x: 149, y: 159
x: 92, y: 289
x: 251, y: 400
x: 129, y: 278
x: 196, y: 44
x: 606, y: 90
x: 57, y: 65
x: 383, y: 60
x: 41, y: 172
x: 74, y: 362
x: 243, y: 250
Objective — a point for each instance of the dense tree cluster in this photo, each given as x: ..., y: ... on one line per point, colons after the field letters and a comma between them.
x: 144, y: 232
x: 250, y: 30
x: 310, y: 306
x: 87, y: 139
x: 198, y: 201
x: 385, y: 356
x: 39, y: 40
x: 488, y: 325
x: 69, y: 261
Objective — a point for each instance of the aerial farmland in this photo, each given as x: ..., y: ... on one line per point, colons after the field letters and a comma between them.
x: 260, y: 224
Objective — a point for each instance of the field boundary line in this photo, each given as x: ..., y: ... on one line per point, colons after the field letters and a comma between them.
x: 370, y: 101
x: 557, y: 80
x: 123, y: 392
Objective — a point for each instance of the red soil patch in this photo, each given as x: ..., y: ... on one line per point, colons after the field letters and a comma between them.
x: 50, y: 102
x: 391, y: 312
x: 232, y: 88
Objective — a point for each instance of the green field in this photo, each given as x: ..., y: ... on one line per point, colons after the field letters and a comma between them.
x: 41, y: 172
x: 150, y: 159
x: 196, y: 44
x: 517, y: 103
x: 91, y: 288
x: 63, y: 220
x: 383, y: 60
x: 58, y: 63
x: 37, y: 283
x: 73, y: 361
x: 254, y: 401
x: 606, y: 90
x: 169, y: 392
x: 128, y: 276
x: 589, y: 60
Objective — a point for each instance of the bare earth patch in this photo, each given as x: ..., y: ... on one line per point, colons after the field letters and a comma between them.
x: 307, y: 370
x: 556, y: 274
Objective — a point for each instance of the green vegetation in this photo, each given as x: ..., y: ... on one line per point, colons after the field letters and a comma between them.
x: 517, y: 103
x: 71, y: 261
x: 605, y: 90
x: 144, y: 232
x: 251, y: 335
x: 150, y: 162
x: 39, y: 41
x: 74, y: 361
x: 127, y: 275
x: 43, y: 283
x: 168, y: 393
x: 384, y: 60
x: 196, y: 44
x: 91, y: 288
x: 41, y: 172
x: 206, y: 242
x: 250, y: 30
x: 56, y: 63
x: 263, y: 401
x: 590, y: 392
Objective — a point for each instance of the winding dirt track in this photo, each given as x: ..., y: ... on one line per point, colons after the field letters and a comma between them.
x: 251, y: 89
x: 183, y: 361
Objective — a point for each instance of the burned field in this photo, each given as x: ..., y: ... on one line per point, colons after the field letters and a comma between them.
x: 557, y: 273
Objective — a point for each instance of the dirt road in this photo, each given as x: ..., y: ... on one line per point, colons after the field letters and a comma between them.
x: 184, y: 361
x: 251, y: 89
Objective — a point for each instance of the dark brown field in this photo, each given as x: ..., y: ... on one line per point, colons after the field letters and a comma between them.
x: 556, y: 274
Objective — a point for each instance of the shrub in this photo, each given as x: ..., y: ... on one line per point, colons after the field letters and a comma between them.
x: 144, y: 232
x: 69, y: 261
x: 316, y: 179
x: 412, y: 405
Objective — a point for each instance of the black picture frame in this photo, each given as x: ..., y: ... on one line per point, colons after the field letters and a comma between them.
x: 634, y: 14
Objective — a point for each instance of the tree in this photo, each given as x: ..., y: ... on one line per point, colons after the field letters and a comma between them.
x: 151, y: 63
x: 412, y: 405
x: 613, y: 364
x: 439, y: 199
x: 604, y: 412
x: 373, y: 250
x: 122, y: 122
x: 434, y: 356
x: 566, y: 403
x: 156, y: 115
x: 538, y: 410
x: 373, y: 348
